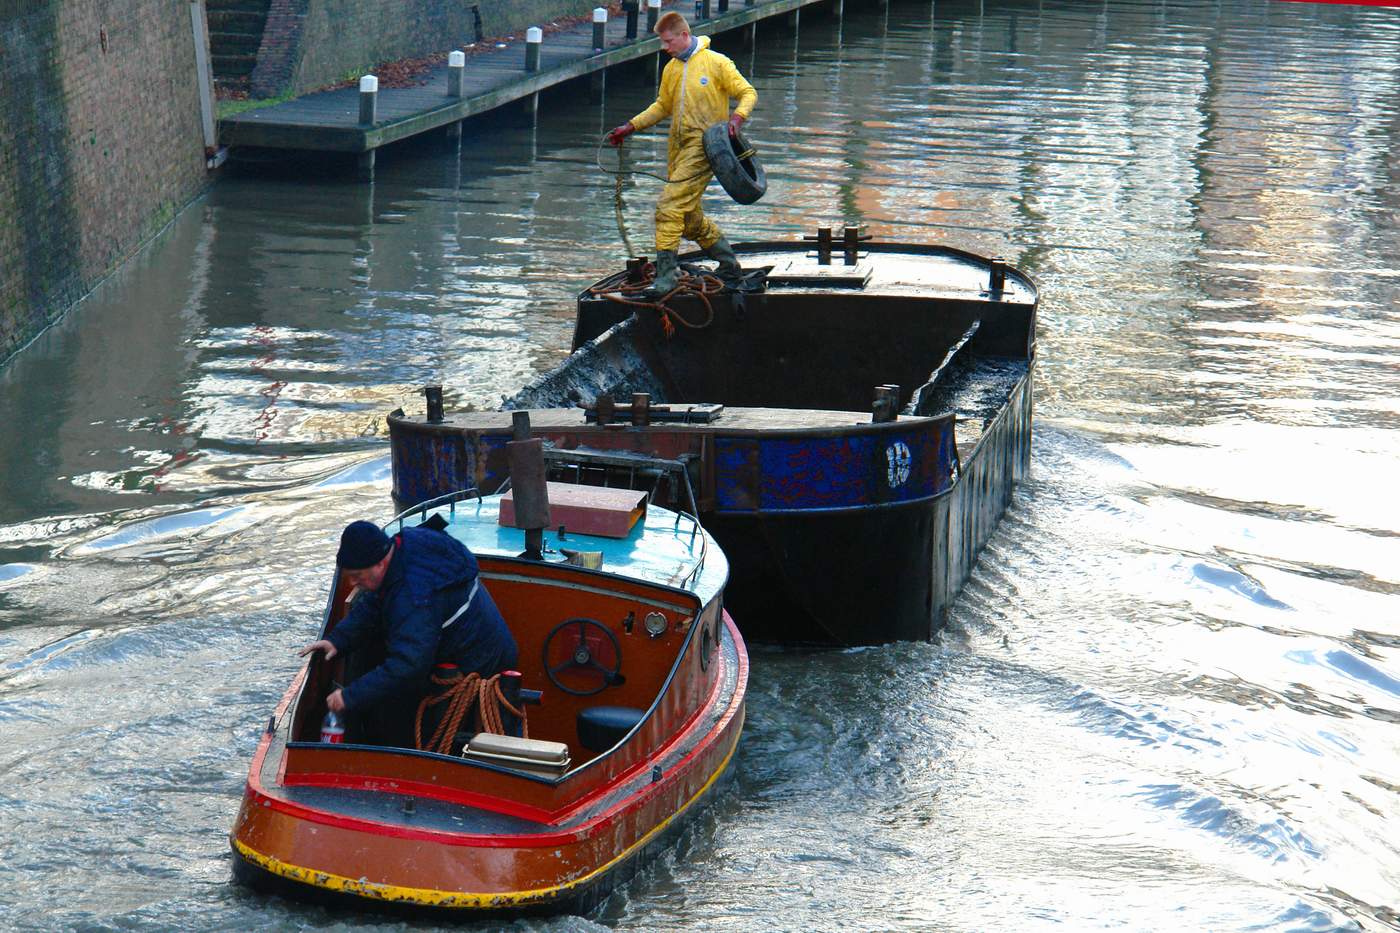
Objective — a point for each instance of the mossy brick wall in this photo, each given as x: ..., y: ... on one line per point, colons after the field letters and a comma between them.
x: 308, y: 44
x: 100, y: 145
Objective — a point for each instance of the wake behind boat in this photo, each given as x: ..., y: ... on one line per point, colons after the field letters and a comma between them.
x: 847, y: 521
x: 640, y: 679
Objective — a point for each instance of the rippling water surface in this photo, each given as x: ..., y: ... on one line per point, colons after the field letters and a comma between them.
x: 1168, y: 699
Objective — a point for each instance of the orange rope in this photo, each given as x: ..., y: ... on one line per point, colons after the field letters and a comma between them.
x: 701, y: 286
x: 464, y: 693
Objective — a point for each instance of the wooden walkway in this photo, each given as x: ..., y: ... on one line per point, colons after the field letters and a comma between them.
x: 328, y: 121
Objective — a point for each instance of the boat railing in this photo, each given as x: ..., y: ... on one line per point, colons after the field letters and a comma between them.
x: 423, y: 508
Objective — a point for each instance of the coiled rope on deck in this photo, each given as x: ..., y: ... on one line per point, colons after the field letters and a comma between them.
x: 702, y: 285
x: 464, y: 693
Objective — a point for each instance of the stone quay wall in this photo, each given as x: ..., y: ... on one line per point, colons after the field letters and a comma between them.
x: 308, y: 44
x: 101, y: 144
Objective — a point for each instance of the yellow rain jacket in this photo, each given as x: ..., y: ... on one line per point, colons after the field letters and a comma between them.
x: 695, y: 94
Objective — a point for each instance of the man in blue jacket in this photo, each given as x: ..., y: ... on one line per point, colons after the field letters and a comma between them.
x: 423, y: 602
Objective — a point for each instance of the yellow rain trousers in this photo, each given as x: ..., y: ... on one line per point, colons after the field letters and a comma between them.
x: 694, y: 94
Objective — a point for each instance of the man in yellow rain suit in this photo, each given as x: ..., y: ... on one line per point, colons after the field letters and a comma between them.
x: 695, y: 90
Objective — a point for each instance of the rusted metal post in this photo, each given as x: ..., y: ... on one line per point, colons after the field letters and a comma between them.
x: 534, y: 38
x: 997, y: 277
x: 886, y: 404
x: 600, y: 28
x: 434, y: 396
x: 369, y: 99
x: 641, y: 409
x: 529, y: 492
x: 605, y: 407
x: 850, y: 244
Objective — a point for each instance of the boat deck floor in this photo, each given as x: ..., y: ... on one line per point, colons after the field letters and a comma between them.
x: 426, y: 813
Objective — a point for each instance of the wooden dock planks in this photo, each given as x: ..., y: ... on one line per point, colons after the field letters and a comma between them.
x: 328, y: 121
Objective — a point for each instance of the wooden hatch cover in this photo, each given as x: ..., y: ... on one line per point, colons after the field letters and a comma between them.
x: 607, y: 512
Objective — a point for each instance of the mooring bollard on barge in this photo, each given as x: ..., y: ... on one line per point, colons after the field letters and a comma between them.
x: 852, y: 426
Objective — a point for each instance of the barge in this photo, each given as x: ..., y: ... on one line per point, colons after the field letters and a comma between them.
x: 852, y: 423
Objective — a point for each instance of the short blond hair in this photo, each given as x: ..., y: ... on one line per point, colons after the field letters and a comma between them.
x: 672, y: 22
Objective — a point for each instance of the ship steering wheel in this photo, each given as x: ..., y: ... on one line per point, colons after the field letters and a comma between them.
x: 590, y: 657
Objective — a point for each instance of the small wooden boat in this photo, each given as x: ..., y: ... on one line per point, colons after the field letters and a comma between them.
x: 639, y: 673
x: 848, y: 521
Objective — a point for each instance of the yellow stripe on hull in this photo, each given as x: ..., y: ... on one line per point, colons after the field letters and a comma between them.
x: 429, y: 897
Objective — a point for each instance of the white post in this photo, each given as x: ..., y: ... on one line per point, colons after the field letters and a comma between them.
x: 600, y: 26
x: 534, y: 37
x: 369, y: 98
x: 456, y: 69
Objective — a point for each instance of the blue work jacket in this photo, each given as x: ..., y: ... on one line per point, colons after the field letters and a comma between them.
x: 428, y: 579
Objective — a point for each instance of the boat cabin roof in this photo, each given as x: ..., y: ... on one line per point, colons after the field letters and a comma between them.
x: 663, y: 547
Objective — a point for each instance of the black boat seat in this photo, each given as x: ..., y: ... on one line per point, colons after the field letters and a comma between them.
x: 602, y: 727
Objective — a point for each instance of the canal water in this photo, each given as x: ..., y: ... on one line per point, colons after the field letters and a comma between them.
x: 1168, y: 700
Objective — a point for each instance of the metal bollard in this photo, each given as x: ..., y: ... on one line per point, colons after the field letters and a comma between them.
x: 886, y: 404
x: 434, y: 396
x: 996, y: 269
x: 369, y: 98
x: 723, y: 6
x: 631, y: 8
x: 600, y: 28
x: 456, y: 69
x: 653, y: 13
x: 534, y: 37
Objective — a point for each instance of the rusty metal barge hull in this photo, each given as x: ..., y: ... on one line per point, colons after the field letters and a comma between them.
x: 843, y: 527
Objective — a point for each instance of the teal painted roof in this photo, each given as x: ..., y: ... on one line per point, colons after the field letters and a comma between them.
x: 657, y: 550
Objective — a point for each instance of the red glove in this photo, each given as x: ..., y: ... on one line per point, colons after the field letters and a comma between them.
x: 736, y: 120
x: 617, y: 134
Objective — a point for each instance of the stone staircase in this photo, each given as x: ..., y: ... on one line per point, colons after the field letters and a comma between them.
x: 235, y: 31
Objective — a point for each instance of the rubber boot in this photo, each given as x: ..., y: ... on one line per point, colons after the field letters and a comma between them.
x: 729, y: 271
x: 666, y: 274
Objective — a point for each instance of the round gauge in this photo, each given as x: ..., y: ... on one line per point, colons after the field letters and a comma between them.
x: 655, y: 624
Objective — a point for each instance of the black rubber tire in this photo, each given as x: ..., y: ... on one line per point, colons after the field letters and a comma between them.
x: 743, y: 180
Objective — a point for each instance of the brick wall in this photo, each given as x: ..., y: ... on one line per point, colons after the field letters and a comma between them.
x: 101, y: 141
x: 308, y: 44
